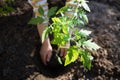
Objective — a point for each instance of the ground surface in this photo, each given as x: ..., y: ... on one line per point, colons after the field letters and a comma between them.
x: 18, y: 43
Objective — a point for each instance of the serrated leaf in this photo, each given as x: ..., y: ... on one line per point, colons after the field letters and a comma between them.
x: 85, y: 32
x: 76, y: 33
x: 59, y: 39
x: 41, y: 11
x: 56, y: 20
x: 85, y: 6
x: 65, y: 29
x: 37, y: 20
x: 90, y: 57
x: 80, y: 22
x: 72, y: 55
x: 86, y: 59
x: 85, y: 18
x: 52, y: 11
x: 62, y: 10
x: 90, y: 45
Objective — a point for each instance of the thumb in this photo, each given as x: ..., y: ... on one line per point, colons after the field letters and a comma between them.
x: 48, y: 57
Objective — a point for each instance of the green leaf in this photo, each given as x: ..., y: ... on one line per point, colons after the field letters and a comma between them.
x: 56, y: 20
x: 65, y: 29
x: 59, y: 39
x: 90, y: 45
x: 59, y: 60
x: 86, y: 59
x: 77, y: 36
x: 37, y: 20
x: 52, y: 11
x: 41, y: 11
x: 85, y: 32
x: 79, y: 43
x: 56, y: 29
x: 62, y: 10
x: 80, y: 23
x: 85, y: 6
x: 72, y: 55
x: 67, y: 37
x: 85, y: 18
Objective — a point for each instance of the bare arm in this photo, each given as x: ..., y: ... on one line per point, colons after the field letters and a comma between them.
x: 46, y: 48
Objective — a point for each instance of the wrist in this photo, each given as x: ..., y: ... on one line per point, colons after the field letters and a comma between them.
x: 46, y: 41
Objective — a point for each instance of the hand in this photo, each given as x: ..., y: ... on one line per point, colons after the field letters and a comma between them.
x: 46, y: 51
x: 63, y: 51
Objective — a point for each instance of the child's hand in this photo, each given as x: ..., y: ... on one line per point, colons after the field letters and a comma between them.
x: 63, y: 50
x: 46, y: 51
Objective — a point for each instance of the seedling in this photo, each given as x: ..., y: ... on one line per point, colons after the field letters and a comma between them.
x: 65, y: 29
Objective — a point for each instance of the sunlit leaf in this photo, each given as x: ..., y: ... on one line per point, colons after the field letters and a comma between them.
x: 77, y: 36
x: 65, y: 29
x: 85, y: 32
x: 56, y: 20
x: 85, y: 18
x: 90, y: 45
x: 72, y: 55
x: 85, y: 6
x: 62, y: 10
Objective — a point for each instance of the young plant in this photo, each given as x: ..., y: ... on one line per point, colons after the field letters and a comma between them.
x: 5, y: 8
x: 65, y: 30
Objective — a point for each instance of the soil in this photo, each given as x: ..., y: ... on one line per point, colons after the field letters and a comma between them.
x: 19, y: 46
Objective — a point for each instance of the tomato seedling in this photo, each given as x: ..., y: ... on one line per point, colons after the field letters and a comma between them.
x: 65, y: 29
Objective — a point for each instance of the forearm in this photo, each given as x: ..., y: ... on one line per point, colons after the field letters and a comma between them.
x: 41, y: 28
x: 44, y: 5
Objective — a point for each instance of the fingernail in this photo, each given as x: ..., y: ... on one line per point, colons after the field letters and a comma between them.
x: 48, y: 60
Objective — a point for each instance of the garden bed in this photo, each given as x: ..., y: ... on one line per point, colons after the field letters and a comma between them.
x: 19, y: 41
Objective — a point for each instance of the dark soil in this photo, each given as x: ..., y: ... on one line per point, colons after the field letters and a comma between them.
x: 19, y: 58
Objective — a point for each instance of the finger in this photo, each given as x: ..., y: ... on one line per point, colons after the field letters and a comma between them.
x: 48, y: 57
x: 61, y: 52
x: 65, y: 52
x: 44, y: 59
